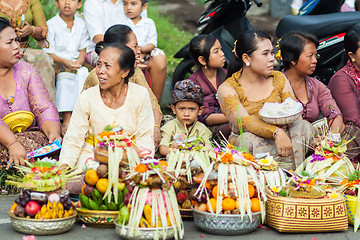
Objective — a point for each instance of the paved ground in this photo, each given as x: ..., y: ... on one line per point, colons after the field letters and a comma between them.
x: 191, y: 232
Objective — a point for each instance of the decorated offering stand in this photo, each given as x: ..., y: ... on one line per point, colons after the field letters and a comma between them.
x: 305, y: 204
x: 152, y: 212
x: 104, y: 192
x: 188, y: 160
x: 42, y: 208
x: 229, y: 193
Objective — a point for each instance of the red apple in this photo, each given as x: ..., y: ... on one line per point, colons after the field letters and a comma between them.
x: 32, y: 208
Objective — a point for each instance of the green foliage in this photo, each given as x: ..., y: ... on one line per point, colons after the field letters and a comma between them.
x: 5, y: 188
x: 170, y: 36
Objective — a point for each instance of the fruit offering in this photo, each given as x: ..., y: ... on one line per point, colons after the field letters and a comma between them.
x: 42, y: 176
x: 231, y: 184
x: 329, y: 160
x: 92, y: 194
x: 187, y: 159
x: 153, y: 201
x: 350, y: 185
x: 39, y: 205
x: 113, y: 137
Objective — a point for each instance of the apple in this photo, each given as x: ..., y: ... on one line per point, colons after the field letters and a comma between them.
x: 32, y: 208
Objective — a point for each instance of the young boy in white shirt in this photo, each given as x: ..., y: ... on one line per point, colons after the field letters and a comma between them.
x: 68, y: 39
x: 145, y: 31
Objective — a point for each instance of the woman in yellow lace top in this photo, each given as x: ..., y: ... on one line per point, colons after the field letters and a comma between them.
x: 251, y: 82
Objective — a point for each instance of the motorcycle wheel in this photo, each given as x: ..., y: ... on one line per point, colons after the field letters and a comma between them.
x: 183, y: 71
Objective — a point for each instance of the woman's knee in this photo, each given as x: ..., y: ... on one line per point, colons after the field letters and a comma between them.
x: 159, y: 62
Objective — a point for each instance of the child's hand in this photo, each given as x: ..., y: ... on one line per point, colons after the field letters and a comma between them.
x: 24, y: 31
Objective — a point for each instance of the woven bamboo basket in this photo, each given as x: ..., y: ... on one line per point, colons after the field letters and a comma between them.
x: 296, y: 215
x: 351, y: 208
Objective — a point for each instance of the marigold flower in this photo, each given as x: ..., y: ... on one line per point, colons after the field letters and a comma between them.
x: 141, y: 168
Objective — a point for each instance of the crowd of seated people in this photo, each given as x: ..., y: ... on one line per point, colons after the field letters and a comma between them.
x: 129, y: 72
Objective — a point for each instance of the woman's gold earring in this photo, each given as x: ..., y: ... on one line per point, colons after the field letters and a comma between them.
x: 353, y: 60
x: 205, y: 66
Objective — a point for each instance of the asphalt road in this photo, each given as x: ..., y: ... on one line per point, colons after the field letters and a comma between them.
x: 191, y: 231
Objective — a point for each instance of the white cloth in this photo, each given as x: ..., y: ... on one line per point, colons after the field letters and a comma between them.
x: 91, y: 115
x: 145, y: 30
x: 66, y: 43
x: 68, y: 88
x: 102, y: 14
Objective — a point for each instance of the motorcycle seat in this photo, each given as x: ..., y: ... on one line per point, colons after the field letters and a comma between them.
x: 320, y: 25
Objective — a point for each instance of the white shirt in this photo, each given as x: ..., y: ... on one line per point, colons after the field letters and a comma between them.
x: 145, y: 30
x: 102, y: 14
x: 66, y: 43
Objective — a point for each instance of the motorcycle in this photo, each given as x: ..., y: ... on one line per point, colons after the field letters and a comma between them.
x: 226, y: 20
x: 330, y: 29
x: 317, y: 7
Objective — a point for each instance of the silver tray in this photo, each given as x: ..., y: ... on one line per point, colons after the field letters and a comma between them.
x: 226, y: 224
x: 144, y: 233
x: 42, y: 226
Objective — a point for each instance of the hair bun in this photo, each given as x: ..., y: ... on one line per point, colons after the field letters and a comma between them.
x: 99, y: 47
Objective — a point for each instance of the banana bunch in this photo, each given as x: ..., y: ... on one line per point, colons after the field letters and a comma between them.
x: 146, y: 219
x: 97, y: 202
x: 53, y: 210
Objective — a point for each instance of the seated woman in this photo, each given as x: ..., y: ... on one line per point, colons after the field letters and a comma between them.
x: 206, y: 52
x: 32, y: 24
x: 251, y: 82
x: 344, y: 87
x: 22, y: 89
x: 298, y: 53
x: 124, y: 35
x: 114, y: 101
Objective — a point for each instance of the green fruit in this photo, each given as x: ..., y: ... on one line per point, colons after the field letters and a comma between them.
x: 121, y: 186
x: 120, y: 199
x: 84, y: 200
x: 125, y: 191
x: 97, y: 197
x: 106, y: 200
x: 93, y: 205
x: 121, y: 205
x: 103, y: 207
x: 124, y: 215
x: 112, y: 207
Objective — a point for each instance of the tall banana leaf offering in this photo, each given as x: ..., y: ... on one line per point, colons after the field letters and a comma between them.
x: 329, y: 160
x: 153, y: 202
x: 231, y: 184
x: 189, y: 160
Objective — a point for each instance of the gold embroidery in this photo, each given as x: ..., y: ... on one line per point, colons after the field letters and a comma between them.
x: 229, y: 104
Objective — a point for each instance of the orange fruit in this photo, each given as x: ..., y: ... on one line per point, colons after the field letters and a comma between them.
x: 193, y: 203
x: 208, y: 185
x: 102, y: 185
x: 214, y: 192
x: 251, y: 190
x: 212, y: 202
x: 82, y: 189
x: 255, y: 205
x: 228, y: 204
x: 91, y: 177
